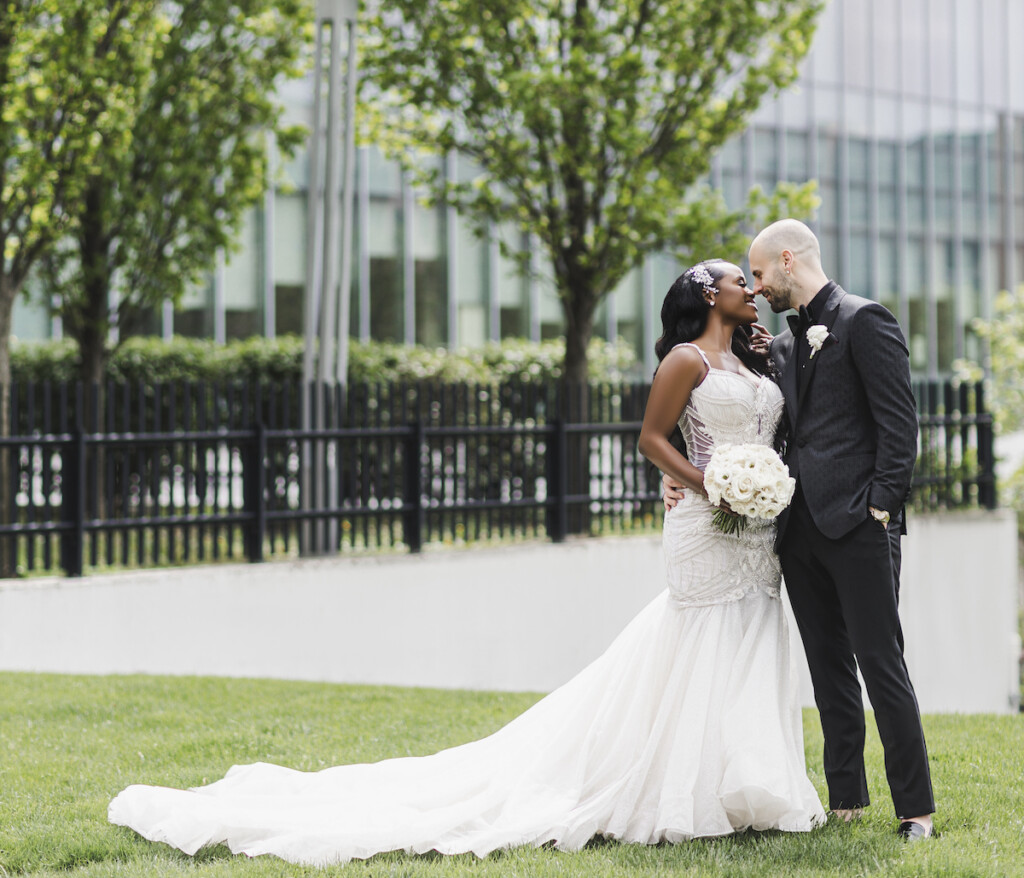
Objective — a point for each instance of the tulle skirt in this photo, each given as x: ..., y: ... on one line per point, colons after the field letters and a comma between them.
x: 687, y: 726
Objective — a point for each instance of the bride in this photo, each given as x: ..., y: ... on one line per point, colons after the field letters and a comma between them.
x: 687, y: 726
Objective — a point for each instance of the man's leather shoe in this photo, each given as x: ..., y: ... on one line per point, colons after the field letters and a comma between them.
x: 911, y: 830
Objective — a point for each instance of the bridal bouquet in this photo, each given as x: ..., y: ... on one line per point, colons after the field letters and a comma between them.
x: 752, y: 479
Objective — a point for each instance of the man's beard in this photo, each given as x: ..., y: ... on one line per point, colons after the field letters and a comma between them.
x: 781, y: 294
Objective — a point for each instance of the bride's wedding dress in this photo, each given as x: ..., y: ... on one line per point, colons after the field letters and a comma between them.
x: 687, y: 726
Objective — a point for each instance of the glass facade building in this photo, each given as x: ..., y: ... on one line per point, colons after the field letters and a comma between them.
x: 908, y: 113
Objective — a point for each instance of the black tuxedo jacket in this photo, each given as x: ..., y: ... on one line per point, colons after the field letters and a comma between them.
x: 852, y: 416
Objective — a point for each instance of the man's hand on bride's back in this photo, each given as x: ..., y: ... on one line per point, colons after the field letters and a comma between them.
x: 673, y: 493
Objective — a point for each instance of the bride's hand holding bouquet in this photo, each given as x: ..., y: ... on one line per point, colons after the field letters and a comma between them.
x: 746, y: 481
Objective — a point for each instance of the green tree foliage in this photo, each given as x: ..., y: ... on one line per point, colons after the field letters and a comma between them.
x: 156, y: 210
x: 68, y: 76
x: 1005, y: 336
x: 589, y: 122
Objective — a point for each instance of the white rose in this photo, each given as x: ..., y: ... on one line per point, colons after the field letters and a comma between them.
x: 744, y: 486
x: 765, y: 472
x: 714, y: 491
x: 784, y: 489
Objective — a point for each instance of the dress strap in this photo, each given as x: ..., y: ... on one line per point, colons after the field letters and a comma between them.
x: 690, y: 344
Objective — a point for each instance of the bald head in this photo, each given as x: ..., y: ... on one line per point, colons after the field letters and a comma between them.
x: 785, y: 260
x: 791, y: 235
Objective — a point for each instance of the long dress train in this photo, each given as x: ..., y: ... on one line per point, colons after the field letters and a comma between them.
x: 687, y: 726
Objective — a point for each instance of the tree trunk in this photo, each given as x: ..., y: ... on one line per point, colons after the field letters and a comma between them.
x: 90, y: 322
x: 92, y: 348
x: 91, y: 328
x: 8, y: 546
x: 577, y: 337
x: 579, y: 306
x: 87, y: 321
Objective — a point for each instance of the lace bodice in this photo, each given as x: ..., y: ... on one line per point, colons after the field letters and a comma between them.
x: 728, y: 407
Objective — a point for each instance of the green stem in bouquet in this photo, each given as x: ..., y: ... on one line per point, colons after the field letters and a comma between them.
x: 728, y: 522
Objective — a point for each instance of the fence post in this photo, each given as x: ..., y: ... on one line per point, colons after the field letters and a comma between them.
x: 412, y: 499
x: 72, y: 543
x: 254, y: 483
x: 986, y: 451
x: 557, y: 478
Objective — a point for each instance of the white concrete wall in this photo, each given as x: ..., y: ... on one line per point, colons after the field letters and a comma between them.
x: 959, y: 603
x: 518, y: 618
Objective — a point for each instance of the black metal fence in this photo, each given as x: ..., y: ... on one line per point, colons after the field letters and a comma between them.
x: 137, y: 476
x: 956, y: 447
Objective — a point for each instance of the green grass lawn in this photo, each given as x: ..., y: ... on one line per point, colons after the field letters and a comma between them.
x: 68, y: 744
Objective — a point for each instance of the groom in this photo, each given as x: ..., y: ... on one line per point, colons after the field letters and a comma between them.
x: 845, y: 375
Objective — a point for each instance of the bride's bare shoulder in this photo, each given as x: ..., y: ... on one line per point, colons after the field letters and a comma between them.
x: 684, y: 361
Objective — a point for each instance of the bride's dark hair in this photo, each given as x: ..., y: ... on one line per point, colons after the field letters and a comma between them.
x: 684, y: 315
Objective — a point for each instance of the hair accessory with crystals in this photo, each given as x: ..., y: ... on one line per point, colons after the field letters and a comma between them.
x: 701, y: 274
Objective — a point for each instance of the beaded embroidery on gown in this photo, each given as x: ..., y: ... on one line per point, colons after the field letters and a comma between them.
x: 687, y: 726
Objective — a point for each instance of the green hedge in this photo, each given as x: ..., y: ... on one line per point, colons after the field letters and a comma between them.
x: 152, y: 361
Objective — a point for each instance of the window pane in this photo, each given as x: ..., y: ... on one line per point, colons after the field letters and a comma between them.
x: 857, y: 36
x: 942, y: 47
x: 944, y: 213
x: 969, y: 51
x: 827, y: 45
x: 290, y: 217
x: 765, y: 154
x: 828, y: 212
x: 827, y: 102
x: 386, y: 313
x: 914, y: 51
x: 993, y: 56
x: 430, y: 275
x: 288, y: 309
x: 431, y: 303
x: 943, y: 157
x: 828, y: 156
x: 733, y: 191
x: 511, y: 293
x: 860, y: 267
x: 859, y: 206
x: 887, y: 47
x: 859, y: 151
x: 385, y: 175
x: 917, y: 331
x: 888, y: 164
x: 243, y: 311
x: 795, y: 105
x: 888, y: 210
x: 888, y: 273
x: 971, y: 299
x: 829, y: 241
x: 916, y: 168
x: 731, y: 155
x: 797, y: 160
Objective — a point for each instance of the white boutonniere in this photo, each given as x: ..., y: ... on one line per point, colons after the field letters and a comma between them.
x: 816, y: 336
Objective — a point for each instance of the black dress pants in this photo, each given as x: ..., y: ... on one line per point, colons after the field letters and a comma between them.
x: 844, y: 595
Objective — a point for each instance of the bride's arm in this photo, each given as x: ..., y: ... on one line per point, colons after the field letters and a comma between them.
x: 680, y: 371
